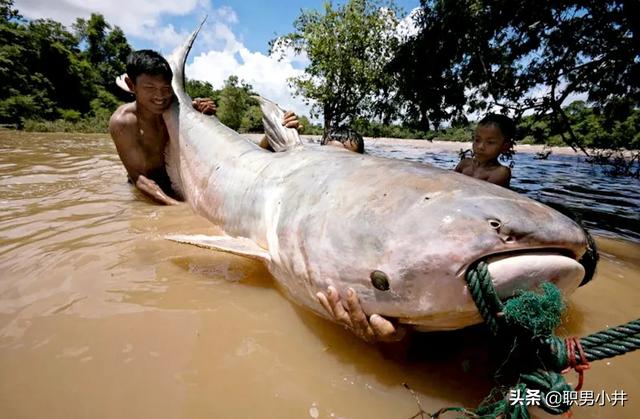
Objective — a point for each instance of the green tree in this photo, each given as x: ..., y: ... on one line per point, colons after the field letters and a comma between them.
x: 44, y: 74
x: 520, y: 56
x: 347, y: 47
x: 106, y: 49
x: 203, y: 89
x: 235, y: 99
x: 252, y: 120
x: 14, y: 66
x: 65, y: 79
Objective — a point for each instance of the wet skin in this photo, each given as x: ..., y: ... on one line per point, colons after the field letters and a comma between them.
x: 488, y: 144
x: 140, y: 136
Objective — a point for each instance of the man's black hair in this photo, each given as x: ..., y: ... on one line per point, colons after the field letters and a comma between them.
x: 146, y: 61
x: 344, y: 135
x: 503, y: 122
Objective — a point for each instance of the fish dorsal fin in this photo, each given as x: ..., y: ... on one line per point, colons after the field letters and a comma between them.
x: 280, y: 137
x: 240, y: 246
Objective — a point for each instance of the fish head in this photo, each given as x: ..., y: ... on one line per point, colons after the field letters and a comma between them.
x: 417, y: 275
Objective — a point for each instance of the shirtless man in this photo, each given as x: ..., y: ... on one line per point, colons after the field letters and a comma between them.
x: 138, y: 129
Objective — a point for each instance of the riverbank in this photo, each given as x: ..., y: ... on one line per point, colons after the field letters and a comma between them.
x: 455, y: 146
x: 436, y: 145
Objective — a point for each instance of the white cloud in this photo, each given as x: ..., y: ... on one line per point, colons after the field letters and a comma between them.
x: 141, y: 18
x: 221, y: 53
x: 227, y: 14
x: 267, y: 75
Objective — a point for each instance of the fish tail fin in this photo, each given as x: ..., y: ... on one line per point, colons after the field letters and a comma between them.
x: 177, y: 62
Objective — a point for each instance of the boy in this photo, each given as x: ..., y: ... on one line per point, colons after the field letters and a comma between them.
x: 493, y: 136
x: 138, y: 129
x: 344, y: 137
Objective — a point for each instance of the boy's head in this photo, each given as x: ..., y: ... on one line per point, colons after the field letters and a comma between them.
x: 149, y: 78
x: 348, y: 138
x: 505, y: 124
x: 493, y: 136
x: 146, y: 61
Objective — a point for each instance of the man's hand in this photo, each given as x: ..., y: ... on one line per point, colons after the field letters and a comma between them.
x: 290, y: 120
x: 350, y: 314
x: 204, y: 105
x: 151, y: 188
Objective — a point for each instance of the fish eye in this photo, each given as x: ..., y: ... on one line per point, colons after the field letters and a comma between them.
x: 495, y: 224
x: 380, y: 280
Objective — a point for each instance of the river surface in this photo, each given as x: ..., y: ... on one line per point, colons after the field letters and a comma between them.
x: 100, y: 317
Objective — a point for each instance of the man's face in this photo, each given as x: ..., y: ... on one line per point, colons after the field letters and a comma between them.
x: 154, y: 93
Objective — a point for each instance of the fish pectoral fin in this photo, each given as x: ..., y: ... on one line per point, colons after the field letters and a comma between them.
x: 240, y: 246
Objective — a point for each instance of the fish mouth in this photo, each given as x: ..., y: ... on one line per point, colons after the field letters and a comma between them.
x: 557, y: 265
x: 526, y: 269
x: 512, y: 274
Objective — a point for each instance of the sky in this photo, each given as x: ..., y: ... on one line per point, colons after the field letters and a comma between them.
x: 234, y: 40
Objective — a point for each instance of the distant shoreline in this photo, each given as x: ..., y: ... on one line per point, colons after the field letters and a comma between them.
x: 434, y: 146
x: 455, y: 146
x: 450, y: 146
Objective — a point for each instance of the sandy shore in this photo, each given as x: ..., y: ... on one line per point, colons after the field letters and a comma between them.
x: 447, y: 146
x: 454, y: 146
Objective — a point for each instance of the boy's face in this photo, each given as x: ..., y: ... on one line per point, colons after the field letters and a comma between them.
x: 488, y: 143
x: 153, y: 92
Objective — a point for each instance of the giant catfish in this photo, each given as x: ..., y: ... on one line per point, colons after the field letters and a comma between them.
x: 324, y: 216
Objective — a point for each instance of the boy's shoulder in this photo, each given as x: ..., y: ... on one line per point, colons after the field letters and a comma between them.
x: 123, y: 122
x: 123, y: 117
x: 501, y: 168
x: 500, y: 175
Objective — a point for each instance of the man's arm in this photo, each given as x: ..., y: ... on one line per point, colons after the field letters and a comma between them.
x: 122, y: 127
x: 152, y: 190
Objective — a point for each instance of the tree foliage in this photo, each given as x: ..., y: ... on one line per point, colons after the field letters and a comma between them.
x: 235, y: 100
x: 48, y: 72
x: 347, y: 47
x: 518, y: 56
x: 203, y: 89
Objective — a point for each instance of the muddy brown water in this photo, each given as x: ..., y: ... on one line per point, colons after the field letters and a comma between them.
x: 100, y: 317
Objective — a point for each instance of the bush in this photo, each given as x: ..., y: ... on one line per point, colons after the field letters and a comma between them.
x: 91, y: 124
x: 70, y: 115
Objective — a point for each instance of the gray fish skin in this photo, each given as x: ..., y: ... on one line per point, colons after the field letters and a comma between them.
x: 327, y: 216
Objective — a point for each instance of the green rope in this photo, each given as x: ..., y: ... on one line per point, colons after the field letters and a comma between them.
x: 484, y: 295
x: 602, y: 345
x: 504, y: 408
x: 532, y: 317
x: 612, y: 342
x: 546, y: 382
